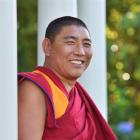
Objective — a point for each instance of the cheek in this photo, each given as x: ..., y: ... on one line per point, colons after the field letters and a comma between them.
x: 89, y: 54
x: 66, y: 51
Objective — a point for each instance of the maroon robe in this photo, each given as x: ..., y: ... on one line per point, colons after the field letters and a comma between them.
x: 81, y: 120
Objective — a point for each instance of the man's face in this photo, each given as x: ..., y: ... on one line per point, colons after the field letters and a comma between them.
x: 70, y: 52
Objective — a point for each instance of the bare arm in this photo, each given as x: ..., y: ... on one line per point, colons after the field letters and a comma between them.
x: 31, y: 111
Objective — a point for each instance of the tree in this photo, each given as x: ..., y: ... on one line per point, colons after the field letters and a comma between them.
x: 27, y: 34
x: 123, y: 39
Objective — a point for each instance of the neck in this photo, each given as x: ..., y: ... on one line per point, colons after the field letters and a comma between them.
x: 68, y: 83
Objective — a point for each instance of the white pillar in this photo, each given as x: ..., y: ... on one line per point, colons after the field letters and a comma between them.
x: 8, y: 69
x: 49, y: 10
x: 93, y: 13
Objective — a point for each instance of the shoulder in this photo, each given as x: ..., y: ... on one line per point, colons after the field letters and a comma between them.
x: 27, y: 86
x: 30, y: 94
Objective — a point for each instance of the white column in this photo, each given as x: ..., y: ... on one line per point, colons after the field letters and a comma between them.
x: 8, y: 69
x: 49, y: 10
x: 93, y: 13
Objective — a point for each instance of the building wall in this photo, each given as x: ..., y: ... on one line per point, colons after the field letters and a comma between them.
x: 8, y: 70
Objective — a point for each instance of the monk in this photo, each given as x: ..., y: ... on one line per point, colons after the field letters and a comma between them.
x: 52, y: 104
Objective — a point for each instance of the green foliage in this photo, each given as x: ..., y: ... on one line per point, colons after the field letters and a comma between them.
x: 27, y: 34
x: 123, y: 55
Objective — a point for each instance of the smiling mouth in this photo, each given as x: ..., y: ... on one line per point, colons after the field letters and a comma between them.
x: 79, y: 62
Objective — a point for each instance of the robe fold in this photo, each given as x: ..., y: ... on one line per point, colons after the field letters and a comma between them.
x: 70, y: 116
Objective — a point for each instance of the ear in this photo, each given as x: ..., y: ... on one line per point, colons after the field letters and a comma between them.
x: 46, y: 45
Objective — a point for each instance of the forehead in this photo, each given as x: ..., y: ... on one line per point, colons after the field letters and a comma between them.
x: 74, y: 30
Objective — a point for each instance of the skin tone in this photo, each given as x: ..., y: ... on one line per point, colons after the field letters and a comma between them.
x: 31, y: 111
x: 67, y: 56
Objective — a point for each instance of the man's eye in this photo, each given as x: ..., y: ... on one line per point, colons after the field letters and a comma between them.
x: 70, y: 42
x: 87, y: 44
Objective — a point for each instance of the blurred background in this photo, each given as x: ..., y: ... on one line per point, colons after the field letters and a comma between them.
x: 123, y: 56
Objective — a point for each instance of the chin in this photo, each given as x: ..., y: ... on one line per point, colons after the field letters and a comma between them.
x: 75, y: 76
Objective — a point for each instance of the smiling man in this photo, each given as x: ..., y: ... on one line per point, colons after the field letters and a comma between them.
x: 51, y: 102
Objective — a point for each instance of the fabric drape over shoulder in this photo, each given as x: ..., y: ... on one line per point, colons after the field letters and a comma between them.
x: 71, y: 116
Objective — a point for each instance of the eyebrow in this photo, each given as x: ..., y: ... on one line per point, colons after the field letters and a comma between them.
x: 75, y: 38
x: 70, y: 37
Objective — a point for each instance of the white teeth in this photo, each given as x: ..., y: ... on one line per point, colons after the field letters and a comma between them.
x: 76, y: 62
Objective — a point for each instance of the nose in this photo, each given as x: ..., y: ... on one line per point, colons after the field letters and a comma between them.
x: 79, y: 50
